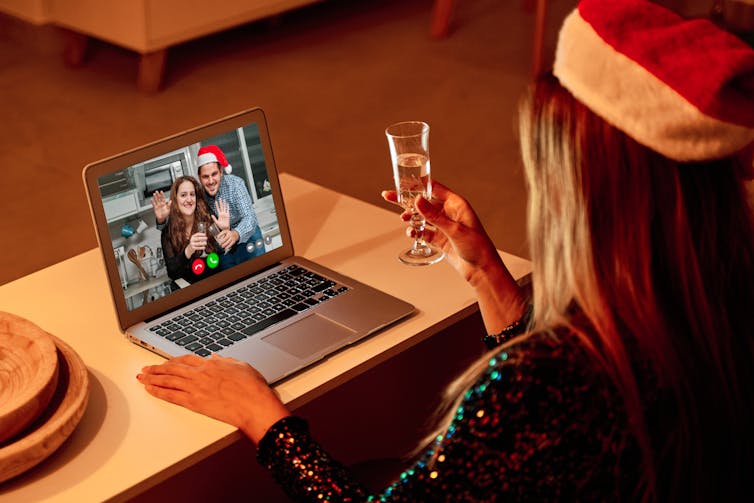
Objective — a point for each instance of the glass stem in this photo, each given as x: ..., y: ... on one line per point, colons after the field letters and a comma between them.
x: 417, y: 222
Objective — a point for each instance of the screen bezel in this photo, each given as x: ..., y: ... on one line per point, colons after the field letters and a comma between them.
x: 93, y: 171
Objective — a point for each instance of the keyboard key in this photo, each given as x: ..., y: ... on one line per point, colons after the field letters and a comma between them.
x: 194, y: 346
x: 174, y: 336
x: 186, y: 340
x: 202, y: 352
x: 214, y: 347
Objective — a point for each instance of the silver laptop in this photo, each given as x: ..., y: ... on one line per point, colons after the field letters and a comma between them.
x: 258, y: 302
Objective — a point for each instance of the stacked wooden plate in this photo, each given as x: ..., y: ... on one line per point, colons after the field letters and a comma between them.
x: 44, y: 389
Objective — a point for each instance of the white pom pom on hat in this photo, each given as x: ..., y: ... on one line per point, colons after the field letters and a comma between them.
x: 682, y: 87
x: 212, y: 153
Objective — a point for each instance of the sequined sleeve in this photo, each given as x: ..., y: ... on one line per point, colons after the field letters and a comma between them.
x: 539, y: 424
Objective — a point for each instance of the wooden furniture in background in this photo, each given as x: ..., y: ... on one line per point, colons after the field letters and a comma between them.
x: 151, y: 27
x: 442, y: 13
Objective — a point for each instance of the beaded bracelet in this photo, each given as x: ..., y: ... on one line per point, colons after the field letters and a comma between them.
x: 518, y: 327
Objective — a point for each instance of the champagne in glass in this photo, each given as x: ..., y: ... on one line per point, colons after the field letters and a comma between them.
x: 409, y: 151
x: 201, y: 227
x: 413, y: 179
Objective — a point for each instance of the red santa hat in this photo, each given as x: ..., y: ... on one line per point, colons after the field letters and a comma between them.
x: 212, y: 153
x: 682, y: 87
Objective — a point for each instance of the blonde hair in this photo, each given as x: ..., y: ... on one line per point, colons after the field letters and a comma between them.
x: 650, y: 263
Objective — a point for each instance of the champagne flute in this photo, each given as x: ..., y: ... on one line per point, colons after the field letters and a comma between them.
x: 215, y: 230
x: 409, y: 152
x: 202, y: 227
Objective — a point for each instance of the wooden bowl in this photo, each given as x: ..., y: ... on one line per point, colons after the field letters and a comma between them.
x: 56, y: 423
x: 28, y: 373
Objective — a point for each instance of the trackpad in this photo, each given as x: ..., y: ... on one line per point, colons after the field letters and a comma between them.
x: 310, y: 336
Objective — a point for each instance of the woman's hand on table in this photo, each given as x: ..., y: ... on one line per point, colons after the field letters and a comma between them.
x: 222, y: 388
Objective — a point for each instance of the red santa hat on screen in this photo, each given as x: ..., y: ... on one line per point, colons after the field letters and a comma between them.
x: 681, y: 87
x: 212, y: 153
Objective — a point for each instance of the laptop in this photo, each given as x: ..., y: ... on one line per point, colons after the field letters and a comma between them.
x: 272, y: 309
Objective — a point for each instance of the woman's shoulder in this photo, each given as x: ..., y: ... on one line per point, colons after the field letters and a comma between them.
x: 550, y: 375
x: 560, y: 350
x: 559, y: 410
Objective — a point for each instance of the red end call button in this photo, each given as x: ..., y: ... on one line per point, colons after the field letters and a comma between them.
x: 197, y: 266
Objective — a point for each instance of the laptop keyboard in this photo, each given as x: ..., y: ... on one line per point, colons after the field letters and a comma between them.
x: 223, y: 321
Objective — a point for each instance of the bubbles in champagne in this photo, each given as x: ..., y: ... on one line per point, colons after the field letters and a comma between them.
x: 412, y: 178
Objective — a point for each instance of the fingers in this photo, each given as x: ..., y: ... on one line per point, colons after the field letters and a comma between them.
x: 158, y: 378
x: 390, y: 196
x: 174, y: 396
x: 198, y: 241
x: 158, y: 197
x: 170, y: 368
x: 433, y: 214
x: 225, y: 239
x: 440, y: 191
x: 221, y: 206
x: 428, y: 234
x: 192, y: 360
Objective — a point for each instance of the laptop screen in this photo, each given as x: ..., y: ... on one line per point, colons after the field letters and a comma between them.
x: 182, y: 216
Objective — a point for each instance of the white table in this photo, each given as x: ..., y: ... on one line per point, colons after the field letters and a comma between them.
x: 113, y: 453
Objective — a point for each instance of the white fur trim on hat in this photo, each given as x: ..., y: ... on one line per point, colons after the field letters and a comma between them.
x: 636, y: 101
x: 206, y: 158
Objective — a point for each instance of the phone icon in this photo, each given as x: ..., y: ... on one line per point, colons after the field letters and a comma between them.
x: 213, y: 260
x: 197, y: 266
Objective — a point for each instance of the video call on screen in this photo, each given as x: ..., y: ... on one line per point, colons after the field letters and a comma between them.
x: 146, y: 269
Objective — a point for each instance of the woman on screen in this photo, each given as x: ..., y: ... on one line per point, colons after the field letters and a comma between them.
x: 186, y: 236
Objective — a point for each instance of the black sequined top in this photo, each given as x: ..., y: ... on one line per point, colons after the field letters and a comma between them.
x: 542, y: 423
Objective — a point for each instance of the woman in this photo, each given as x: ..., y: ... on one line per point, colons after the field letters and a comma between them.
x: 633, y: 380
x: 182, y: 239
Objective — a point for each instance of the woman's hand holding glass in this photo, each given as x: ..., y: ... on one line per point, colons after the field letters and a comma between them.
x: 469, y: 249
x: 458, y: 231
x: 197, y: 241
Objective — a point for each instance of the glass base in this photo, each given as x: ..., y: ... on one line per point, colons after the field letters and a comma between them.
x: 425, y: 254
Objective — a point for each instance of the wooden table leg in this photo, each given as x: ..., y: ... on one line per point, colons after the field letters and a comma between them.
x: 540, y: 16
x: 442, y: 11
x: 151, y: 71
x: 76, y: 44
